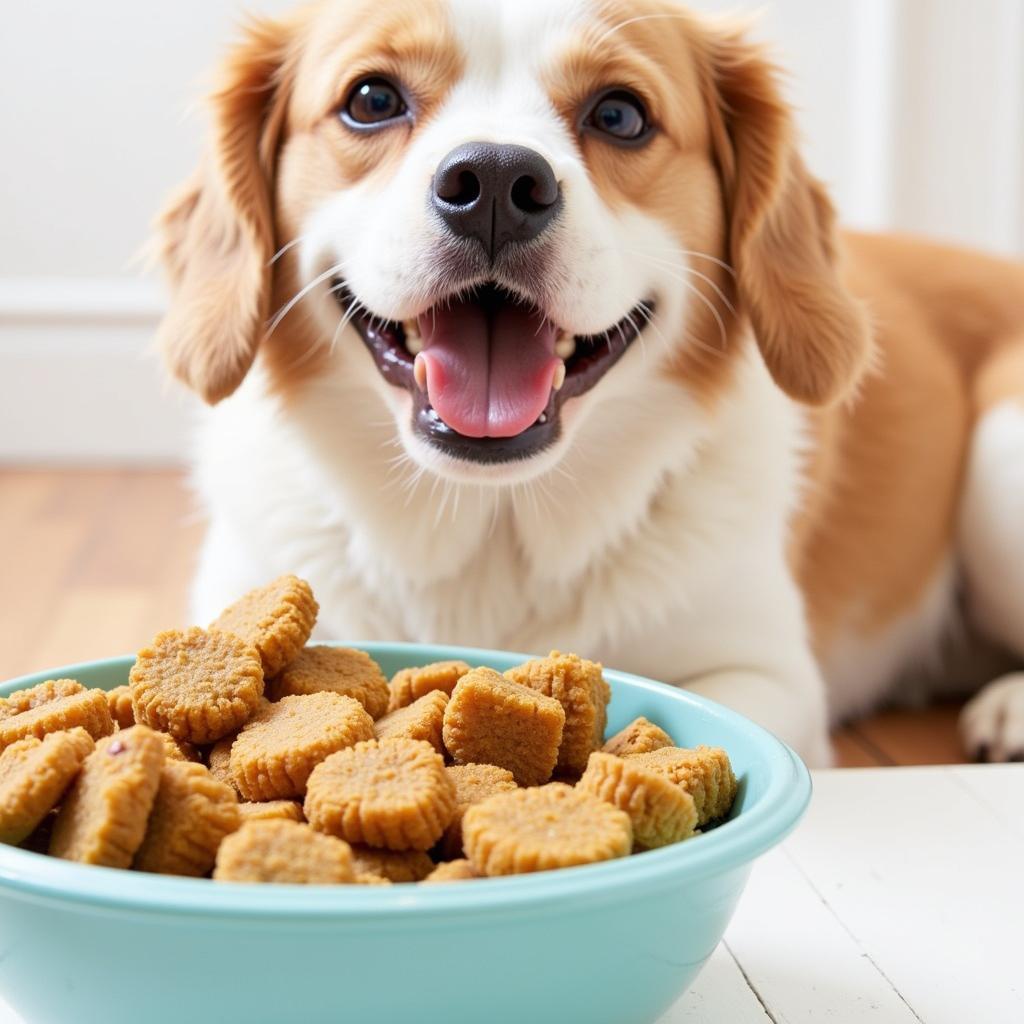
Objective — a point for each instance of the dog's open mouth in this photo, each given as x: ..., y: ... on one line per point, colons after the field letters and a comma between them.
x: 488, y: 371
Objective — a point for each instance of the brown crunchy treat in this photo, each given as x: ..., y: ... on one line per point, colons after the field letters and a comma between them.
x: 409, y: 684
x: 492, y: 720
x: 179, y: 750
x: 473, y: 783
x: 452, y: 871
x: 218, y: 760
x: 421, y: 720
x: 34, y: 775
x: 705, y: 773
x: 288, y: 810
x: 343, y: 670
x: 276, y: 619
x: 394, y: 865
x: 42, y: 693
x: 103, y: 819
x: 273, y: 755
x: 369, y: 878
x: 580, y: 687
x: 545, y: 827
x: 196, y: 685
x: 86, y: 709
x: 639, y: 737
x: 283, y: 851
x: 119, y: 700
x: 191, y: 815
x: 661, y: 812
x: 391, y: 793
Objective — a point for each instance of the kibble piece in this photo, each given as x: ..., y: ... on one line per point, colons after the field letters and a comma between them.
x: 218, y: 760
x: 119, y: 700
x: 545, y: 827
x: 196, y: 685
x: 452, y: 871
x: 639, y: 737
x: 341, y: 670
x: 283, y: 851
x: 473, y: 783
x: 288, y: 810
x: 492, y: 720
x: 580, y: 687
x: 661, y: 812
x: 394, y: 865
x: 191, y: 815
x: 391, y: 793
x: 705, y: 773
x: 42, y: 693
x: 86, y: 709
x: 178, y: 750
x: 273, y: 755
x: 409, y: 684
x: 421, y: 720
x: 34, y: 775
x: 103, y: 819
x: 276, y: 619
x: 369, y: 878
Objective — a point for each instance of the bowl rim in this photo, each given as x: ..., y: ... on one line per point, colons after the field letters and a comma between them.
x: 731, y: 845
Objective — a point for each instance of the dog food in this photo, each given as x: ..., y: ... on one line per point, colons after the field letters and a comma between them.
x: 191, y: 769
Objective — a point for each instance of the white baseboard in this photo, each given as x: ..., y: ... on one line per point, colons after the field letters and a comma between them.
x: 78, y: 379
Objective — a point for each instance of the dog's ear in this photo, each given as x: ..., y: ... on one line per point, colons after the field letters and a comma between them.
x: 216, y: 237
x: 813, y: 335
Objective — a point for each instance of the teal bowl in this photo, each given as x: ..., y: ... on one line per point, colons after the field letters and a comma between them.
x: 612, y: 943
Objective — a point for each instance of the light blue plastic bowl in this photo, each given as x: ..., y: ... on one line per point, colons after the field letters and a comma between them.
x: 613, y: 943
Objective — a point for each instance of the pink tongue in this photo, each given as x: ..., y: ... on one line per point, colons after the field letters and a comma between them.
x: 489, y: 373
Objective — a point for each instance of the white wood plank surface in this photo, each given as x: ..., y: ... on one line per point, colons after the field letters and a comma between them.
x: 897, y: 901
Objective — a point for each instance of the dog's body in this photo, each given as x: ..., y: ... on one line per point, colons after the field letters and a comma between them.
x: 755, y: 501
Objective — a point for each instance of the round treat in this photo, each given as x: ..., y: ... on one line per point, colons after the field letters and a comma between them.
x: 388, y: 793
x: 283, y: 851
x: 273, y: 755
x: 409, y: 684
x: 196, y: 685
x: 580, y: 687
x: 53, y: 707
x: 191, y: 815
x: 473, y: 783
x: 276, y: 619
x: 394, y: 865
x: 552, y: 826
x: 119, y: 700
x: 705, y: 773
x: 639, y: 737
x: 661, y: 812
x: 452, y: 871
x: 179, y: 750
x: 421, y: 720
x: 341, y: 670
x: 34, y: 775
x: 103, y: 819
x: 218, y: 760
x: 288, y: 810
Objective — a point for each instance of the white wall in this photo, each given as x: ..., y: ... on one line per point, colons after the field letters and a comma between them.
x: 912, y: 110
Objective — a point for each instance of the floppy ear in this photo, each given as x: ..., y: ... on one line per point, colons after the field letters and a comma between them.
x: 216, y: 237
x: 813, y: 335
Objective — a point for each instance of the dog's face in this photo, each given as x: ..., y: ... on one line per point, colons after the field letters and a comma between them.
x: 506, y: 219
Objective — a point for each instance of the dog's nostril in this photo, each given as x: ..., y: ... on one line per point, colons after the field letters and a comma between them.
x: 528, y: 196
x: 468, y: 190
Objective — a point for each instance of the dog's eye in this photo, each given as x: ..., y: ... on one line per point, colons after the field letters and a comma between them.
x: 373, y: 101
x: 619, y: 115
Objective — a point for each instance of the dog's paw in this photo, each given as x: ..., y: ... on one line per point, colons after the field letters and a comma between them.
x: 992, y: 723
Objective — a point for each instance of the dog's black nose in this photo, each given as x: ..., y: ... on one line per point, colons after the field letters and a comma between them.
x: 496, y: 193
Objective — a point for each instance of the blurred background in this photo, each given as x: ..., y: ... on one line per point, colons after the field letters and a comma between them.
x: 911, y: 110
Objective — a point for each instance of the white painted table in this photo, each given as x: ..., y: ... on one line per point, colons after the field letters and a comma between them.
x: 899, y: 900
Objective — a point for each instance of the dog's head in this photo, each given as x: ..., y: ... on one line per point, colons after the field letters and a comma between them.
x: 506, y: 219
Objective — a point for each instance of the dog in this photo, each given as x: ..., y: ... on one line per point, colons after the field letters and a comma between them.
x: 526, y: 326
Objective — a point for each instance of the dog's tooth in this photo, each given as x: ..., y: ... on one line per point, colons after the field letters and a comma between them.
x: 565, y: 346
x: 559, y: 378
x: 413, y: 339
x: 419, y: 371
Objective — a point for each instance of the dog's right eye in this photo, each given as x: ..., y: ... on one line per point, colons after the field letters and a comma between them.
x: 373, y: 102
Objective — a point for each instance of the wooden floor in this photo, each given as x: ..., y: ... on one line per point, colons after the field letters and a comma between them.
x: 93, y: 563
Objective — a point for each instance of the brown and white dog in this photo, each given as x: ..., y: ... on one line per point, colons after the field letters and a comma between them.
x: 525, y: 326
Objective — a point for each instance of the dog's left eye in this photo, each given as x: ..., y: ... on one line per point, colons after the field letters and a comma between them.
x: 373, y: 101
x: 620, y: 115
